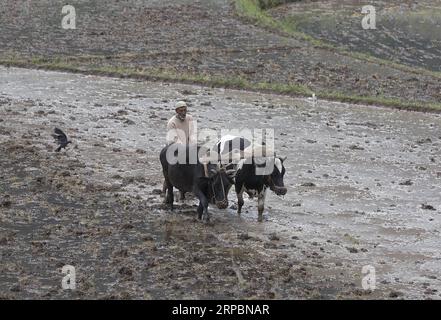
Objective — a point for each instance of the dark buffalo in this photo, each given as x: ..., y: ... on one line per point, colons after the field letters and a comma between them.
x: 252, y: 178
x: 209, y: 184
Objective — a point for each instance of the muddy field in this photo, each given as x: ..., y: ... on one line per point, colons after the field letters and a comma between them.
x: 208, y: 38
x: 404, y: 30
x: 363, y: 189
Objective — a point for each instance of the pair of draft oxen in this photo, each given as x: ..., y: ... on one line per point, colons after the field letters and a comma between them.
x: 210, y: 181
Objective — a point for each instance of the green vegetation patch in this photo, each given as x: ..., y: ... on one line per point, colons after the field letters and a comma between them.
x: 253, y: 10
x: 83, y: 64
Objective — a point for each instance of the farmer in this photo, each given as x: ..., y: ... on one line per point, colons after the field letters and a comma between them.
x: 180, y: 128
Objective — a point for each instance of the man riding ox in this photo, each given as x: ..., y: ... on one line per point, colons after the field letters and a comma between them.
x: 183, y: 169
x: 180, y: 129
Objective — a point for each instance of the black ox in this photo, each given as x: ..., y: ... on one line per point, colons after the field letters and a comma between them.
x: 253, y: 178
x: 210, y: 183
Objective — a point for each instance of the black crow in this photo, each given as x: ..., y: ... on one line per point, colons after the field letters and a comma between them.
x: 61, y: 138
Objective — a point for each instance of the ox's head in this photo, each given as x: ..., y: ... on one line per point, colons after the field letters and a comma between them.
x: 220, y: 182
x: 275, y: 179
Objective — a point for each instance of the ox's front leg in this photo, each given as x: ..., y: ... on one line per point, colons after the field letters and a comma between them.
x: 261, y: 204
x: 239, y: 192
x: 164, y: 192
x: 170, y: 196
x: 203, y: 205
x: 164, y: 189
x: 239, y: 202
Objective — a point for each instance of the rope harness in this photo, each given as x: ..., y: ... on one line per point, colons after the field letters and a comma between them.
x: 213, y: 198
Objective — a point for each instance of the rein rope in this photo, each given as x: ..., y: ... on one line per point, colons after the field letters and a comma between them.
x: 223, y: 190
x: 213, y: 198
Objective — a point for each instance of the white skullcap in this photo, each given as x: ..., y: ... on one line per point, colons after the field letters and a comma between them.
x: 180, y: 104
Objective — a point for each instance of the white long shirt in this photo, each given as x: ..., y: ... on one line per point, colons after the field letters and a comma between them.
x: 181, y: 131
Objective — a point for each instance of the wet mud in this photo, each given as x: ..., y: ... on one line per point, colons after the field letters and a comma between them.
x: 363, y: 190
x: 208, y: 39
